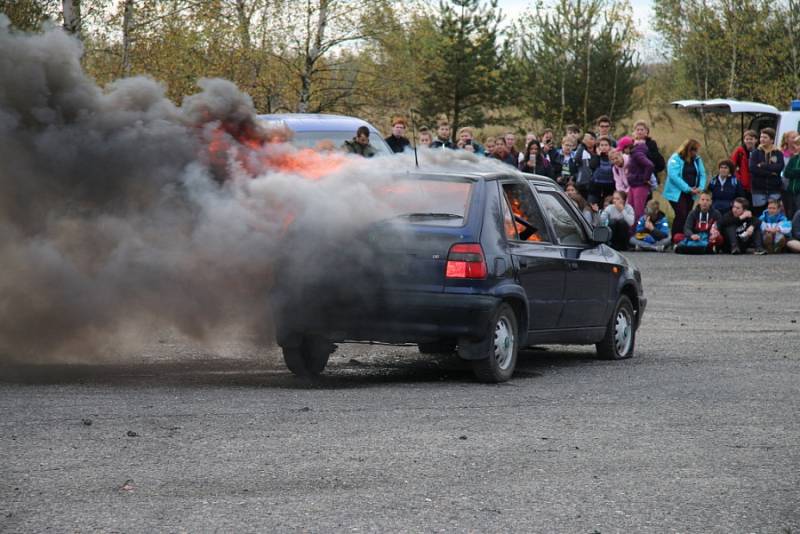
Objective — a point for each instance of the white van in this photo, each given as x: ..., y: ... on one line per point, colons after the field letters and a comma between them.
x: 760, y: 115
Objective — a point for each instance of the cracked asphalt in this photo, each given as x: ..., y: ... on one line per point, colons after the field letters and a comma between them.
x: 699, y: 432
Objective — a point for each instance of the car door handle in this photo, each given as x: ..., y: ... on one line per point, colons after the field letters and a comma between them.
x: 573, y: 265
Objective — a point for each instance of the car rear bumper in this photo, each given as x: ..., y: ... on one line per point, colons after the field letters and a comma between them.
x: 407, y: 317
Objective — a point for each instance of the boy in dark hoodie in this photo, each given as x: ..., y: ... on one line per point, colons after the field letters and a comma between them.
x: 699, y: 234
x: 725, y: 187
x: 602, y: 182
x: 740, y: 229
x: 652, y: 230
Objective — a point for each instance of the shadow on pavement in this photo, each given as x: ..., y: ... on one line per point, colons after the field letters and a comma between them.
x: 340, y: 373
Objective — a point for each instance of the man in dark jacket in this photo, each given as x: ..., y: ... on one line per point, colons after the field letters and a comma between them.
x: 740, y: 229
x: 360, y: 144
x: 766, y: 164
x: 442, y: 140
x: 398, y: 140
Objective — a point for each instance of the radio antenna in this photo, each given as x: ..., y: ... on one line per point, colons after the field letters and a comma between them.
x: 414, y: 135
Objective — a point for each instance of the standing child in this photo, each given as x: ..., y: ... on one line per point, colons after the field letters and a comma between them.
x: 652, y: 230
x: 741, y: 158
x: 766, y: 164
x: 697, y: 236
x: 602, y: 183
x: 618, y: 160
x: 775, y: 227
x: 724, y: 187
x: 564, y: 166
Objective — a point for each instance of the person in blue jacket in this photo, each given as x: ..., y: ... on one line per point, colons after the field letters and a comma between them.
x: 686, y: 178
x: 652, y: 230
x: 725, y: 187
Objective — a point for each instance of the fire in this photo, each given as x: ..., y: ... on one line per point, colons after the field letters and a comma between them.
x: 516, y: 209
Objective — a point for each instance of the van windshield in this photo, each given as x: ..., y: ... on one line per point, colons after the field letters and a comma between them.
x: 426, y: 201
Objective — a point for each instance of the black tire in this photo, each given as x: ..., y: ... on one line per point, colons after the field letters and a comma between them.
x: 309, y: 358
x: 437, y: 347
x: 501, y: 359
x: 620, y: 339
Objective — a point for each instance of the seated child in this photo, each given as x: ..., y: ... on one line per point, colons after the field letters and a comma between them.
x: 793, y: 245
x: 619, y: 217
x: 652, y: 230
x: 699, y: 236
x: 725, y: 187
x: 740, y: 229
x: 775, y: 227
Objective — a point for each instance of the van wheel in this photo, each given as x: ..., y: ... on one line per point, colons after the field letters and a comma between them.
x: 501, y: 360
x: 309, y: 358
x: 438, y: 347
x: 620, y: 337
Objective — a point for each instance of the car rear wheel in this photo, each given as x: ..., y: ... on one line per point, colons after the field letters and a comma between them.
x: 309, y: 358
x: 438, y: 347
x: 503, y: 348
x: 620, y: 337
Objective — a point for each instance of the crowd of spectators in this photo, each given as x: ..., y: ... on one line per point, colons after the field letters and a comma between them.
x: 750, y: 205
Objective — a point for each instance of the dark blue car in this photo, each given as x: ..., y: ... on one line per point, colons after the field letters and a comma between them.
x: 476, y: 264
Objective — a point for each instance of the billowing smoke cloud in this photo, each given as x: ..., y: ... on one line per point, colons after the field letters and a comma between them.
x: 120, y: 211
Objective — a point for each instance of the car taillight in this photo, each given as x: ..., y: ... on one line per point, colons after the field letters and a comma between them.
x: 466, y: 260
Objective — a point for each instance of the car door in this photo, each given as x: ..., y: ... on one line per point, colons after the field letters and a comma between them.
x: 537, y: 259
x: 588, y: 272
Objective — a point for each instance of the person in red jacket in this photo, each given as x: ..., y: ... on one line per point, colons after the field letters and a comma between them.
x: 741, y: 158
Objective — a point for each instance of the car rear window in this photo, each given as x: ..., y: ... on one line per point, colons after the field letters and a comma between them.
x: 313, y: 139
x: 431, y: 202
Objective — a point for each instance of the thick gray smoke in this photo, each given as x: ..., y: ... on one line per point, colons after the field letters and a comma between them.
x: 121, y: 212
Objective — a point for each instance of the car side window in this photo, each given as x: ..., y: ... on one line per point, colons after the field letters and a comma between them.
x: 522, y: 219
x: 569, y: 230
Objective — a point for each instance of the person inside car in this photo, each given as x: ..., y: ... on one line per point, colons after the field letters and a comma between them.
x: 360, y: 144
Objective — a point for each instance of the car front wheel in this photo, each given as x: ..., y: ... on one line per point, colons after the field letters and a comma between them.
x: 503, y: 348
x: 309, y: 358
x: 620, y: 337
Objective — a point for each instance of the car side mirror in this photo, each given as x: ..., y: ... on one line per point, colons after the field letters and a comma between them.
x: 601, y: 234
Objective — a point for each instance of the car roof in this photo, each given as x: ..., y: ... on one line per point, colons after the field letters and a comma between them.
x: 318, y: 122
x: 487, y: 176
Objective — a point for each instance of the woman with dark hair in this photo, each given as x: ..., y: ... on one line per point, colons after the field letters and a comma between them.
x: 534, y: 161
x: 686, y: 178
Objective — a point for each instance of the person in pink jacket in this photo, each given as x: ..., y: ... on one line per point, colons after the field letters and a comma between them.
x: 618, y: 160
x: 638, y: 170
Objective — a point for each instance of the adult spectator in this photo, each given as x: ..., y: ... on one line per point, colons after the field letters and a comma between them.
x: 618, y: 160
x: 398, y: 140
x: 724, y: 187
x: 467, y: 142
x: 602, y: 183
x: 791, y: 173
x: 424, y: 138
x: 652, y: 230
x: 442, y: 140
x: 740, y: 229
x: 766, y: 164
x: 793, y: 245
x: 619, y: 217
x: 641, y: 131
x: 360, y: 144
x: 583, y: 157
x: 775, y: 227
x: 501, y: 152
x: 686, y: 177
x: 741, y: 158
x: 603, y: 129
x: 534, y: 162
x: 699, y: 235
x: 638, y: 170
x: 511, y: 141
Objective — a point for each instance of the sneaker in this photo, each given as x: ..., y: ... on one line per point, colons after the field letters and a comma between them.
x: 659, y: 248
x: 638, y: 248
x: 735, y: 251
x: 760, y: 252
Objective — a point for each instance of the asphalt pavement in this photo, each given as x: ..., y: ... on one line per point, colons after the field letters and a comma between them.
x: 699, y: 432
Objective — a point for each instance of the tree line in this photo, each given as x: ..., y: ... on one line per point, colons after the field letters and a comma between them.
x: 560, y: 62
